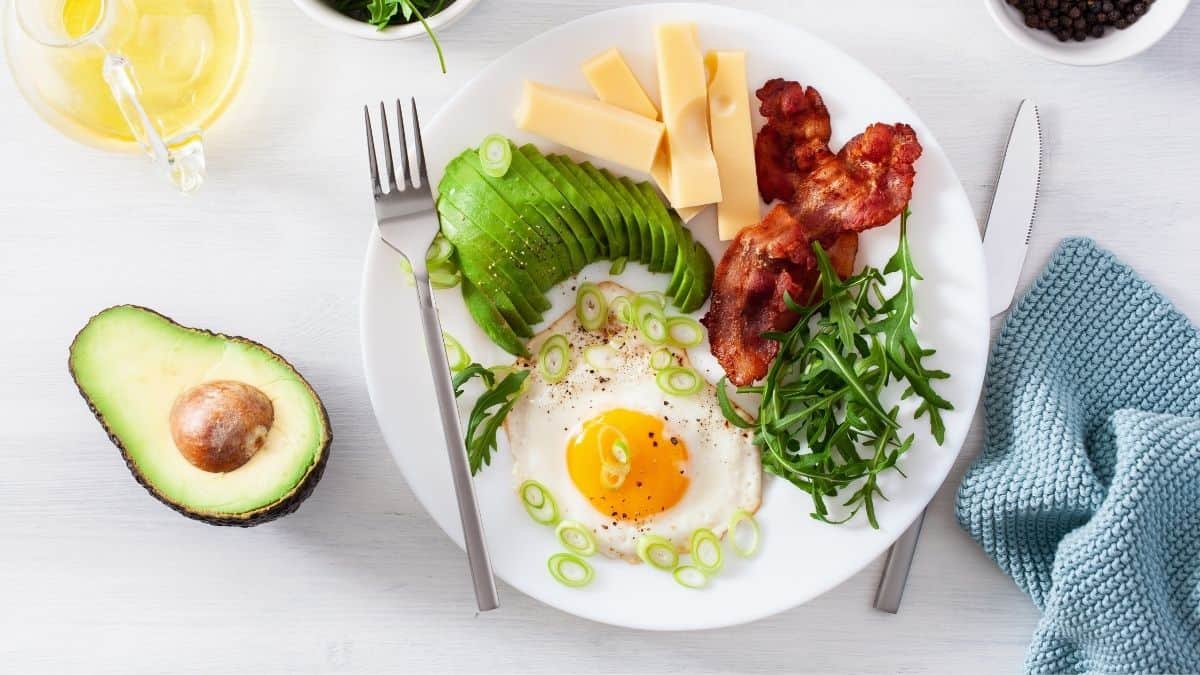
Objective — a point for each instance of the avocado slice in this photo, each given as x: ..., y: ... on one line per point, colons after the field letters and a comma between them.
x: 468, y: 194
x: 652, y: 229
x: 475, y: 250
x: 614, y: 224
x: 628, y: 219
x: 532, y: 209
x: 491, y: 320
x: 555, y: 202
x: 701, y: 267
x: 219, y: 428
x: 588, y: 215
x: 669, y: 227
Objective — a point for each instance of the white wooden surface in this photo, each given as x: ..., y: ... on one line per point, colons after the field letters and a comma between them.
x: 97, y: 577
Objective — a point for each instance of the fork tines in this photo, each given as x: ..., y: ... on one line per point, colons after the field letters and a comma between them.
x: 403, y: 147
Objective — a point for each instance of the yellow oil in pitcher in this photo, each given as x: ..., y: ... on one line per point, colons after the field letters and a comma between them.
x: 187, y: 56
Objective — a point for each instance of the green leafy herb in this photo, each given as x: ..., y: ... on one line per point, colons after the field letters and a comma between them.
x: 384, y: 13
x: 490, y: 409
x: 821, y: 424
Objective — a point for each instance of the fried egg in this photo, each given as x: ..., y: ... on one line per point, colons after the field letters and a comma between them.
x: 687, y: 467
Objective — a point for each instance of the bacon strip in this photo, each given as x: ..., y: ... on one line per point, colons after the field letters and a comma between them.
x: 832, y: 198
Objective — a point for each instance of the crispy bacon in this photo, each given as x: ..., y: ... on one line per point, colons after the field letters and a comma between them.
x: 794, y: 139
x: 833, y: 197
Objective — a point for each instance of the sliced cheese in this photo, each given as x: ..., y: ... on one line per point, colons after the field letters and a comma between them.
x: 661, y: 173
x: 592, y: 127
x: 615, y: 84
x: 732, y: 142
x: 684, y: 90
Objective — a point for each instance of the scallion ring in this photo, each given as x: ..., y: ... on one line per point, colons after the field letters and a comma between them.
x: 657, y: 551
x: 613, y: 476
x: 576, y: 537
x: 706, y: 551
x: 679, y: 381
x: 655, y: 297
x: 570, y: 570
x: 591, y: 307
x: 539, y: 503
x: 495, y: 154
x: 685, y: 331
x: 740, y: 517
x: 661, y: 358
x: 621, y: 308
x: 654, y: 329
x: 554, y: 358
x: 439, y: 251
x: 600, y: 357
x: 443, y: 278
x: 456, y: 356
x: 689, y: 576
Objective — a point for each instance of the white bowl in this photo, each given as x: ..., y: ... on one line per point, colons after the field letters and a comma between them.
x: 322, y: 13
x: 1114, y: 46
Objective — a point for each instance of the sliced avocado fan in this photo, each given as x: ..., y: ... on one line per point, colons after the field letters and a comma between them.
x: 545, y: 219
x: 219, y: 428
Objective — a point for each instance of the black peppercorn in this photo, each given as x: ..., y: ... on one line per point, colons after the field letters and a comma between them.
x: 1080, y: 19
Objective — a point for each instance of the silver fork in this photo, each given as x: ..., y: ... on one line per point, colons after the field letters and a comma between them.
x: 408, y: 222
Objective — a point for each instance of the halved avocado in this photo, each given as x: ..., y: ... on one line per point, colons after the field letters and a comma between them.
x: 217, y: 427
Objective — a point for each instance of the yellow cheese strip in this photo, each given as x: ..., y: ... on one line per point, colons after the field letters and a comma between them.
x: 582, y: 123
x: 732, y: 142
x: 615, y: 84
x: 683, y: 87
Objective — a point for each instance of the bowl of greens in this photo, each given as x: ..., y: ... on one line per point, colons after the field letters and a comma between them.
x: 387, y: 19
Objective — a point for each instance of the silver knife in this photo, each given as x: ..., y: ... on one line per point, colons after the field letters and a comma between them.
x: 1005, y: 244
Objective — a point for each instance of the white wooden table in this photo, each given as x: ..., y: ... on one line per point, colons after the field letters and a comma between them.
x: 95, y: 576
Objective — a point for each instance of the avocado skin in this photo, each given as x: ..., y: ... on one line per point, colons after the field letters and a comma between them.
x: 283, y: 507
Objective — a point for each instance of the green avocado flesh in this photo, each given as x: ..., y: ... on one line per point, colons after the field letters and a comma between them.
x: 131, y: 364
x: 544, y: 220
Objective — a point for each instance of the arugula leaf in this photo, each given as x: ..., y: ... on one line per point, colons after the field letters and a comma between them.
x: 484, y: 422
x: 384, y: 13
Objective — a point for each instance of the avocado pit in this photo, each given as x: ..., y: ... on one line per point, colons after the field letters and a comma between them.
x: 218, y: 426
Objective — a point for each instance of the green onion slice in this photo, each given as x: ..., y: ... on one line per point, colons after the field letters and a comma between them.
x: 657, y: 551
x: 439, y: 251
x: 613, y: 476
x: 456, y: 356
x: 621, y: 309
x: 576, y: 537
x: 591, y: 308
x: 570, y: 570
x: 654, y: 329
x: 661, y: 358
x: 495, y: 154
x: 655, y: 297
x: 600, y: 357
x: 690, y: 577
x: 679, y: 381
x: 745, y: 521
x: 617, y: 266
x: 706, y: 551
x: 685, y: 331
x: 407, y: 273
x: 539, y: 503
x: 554, y: 358
x: 442, y: 278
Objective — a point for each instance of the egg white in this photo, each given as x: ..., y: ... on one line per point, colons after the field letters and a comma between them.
x: 724, y: 467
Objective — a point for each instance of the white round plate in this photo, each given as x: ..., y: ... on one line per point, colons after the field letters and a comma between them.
x: 799, y: 558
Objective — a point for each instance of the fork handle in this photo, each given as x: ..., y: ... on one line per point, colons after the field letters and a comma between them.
x: 464, y: 489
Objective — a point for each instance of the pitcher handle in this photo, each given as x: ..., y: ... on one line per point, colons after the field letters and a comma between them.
x: 182, y: 157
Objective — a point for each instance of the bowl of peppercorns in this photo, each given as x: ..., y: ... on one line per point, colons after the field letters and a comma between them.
x: 1086, y: 32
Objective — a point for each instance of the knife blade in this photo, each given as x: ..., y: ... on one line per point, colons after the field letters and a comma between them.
x: 1005, y: 243
x: 1014, y: 208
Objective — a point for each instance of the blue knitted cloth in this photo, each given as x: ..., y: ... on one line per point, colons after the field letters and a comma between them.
x: 1087, y: 492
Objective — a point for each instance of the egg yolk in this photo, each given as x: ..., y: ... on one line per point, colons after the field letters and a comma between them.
x: 656, y: 464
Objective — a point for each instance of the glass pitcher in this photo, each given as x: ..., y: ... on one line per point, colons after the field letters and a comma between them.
x: 124, y: 74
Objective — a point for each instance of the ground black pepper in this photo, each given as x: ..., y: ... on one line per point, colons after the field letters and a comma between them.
x: 1080, y: 19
